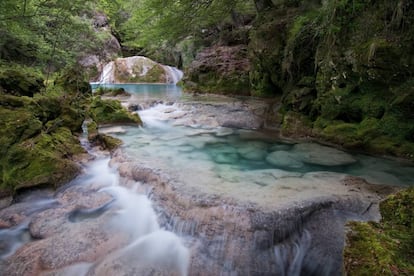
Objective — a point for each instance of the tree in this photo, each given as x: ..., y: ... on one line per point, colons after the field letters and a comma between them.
x: 46, y: 33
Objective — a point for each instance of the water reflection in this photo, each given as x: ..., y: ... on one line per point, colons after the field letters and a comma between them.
x: 168, y: 92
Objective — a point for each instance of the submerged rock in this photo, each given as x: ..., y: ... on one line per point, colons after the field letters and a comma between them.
x: 284, y: 159
x: 321, y: 155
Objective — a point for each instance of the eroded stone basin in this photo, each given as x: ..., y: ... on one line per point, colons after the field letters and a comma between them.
x: 237, y: 200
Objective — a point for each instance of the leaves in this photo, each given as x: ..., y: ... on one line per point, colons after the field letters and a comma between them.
x: 45, y: 33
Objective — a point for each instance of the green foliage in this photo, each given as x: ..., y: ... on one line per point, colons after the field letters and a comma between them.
x: 47, y: 34
x: 385, y: 248
x: 37, y: 141
x: 20, y: 80
x: 165, y: 23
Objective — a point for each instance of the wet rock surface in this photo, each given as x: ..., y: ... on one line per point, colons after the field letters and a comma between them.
x: 242, y: 237
x: 252, y: 222
x: 208, y: 111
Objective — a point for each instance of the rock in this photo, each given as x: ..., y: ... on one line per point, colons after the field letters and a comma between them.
x: 252, y: 150
x: 111, y: 112
x: 284, y: 159
x: 220, y: 70
x: 134, y: 107
x: 164, y: 255
x: 223, y: 131
x: 139, y: 69
x: 321, y: 155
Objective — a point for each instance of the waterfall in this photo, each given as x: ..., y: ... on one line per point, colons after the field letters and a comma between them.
x: 173, y: 75
x: 108, y: 75
x: 135, y: 69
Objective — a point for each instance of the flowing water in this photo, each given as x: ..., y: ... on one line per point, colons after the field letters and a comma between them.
x: 248, y: 166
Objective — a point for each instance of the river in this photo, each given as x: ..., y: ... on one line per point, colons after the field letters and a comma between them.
x: 198, y: 190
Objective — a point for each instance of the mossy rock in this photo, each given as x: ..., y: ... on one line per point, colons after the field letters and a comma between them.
x: 112, y: 92
x: 17, y: 124
x: 37, y: 140
x: 385, y: 248
x: 20, y: 81
x: 111, y: 112
x: 74, y: 80
x: 107, y: 142
x: 296, y: 125
x: 41, y: 160
x: 156, y: 73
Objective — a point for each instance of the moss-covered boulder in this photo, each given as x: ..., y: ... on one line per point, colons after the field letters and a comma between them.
x: 37, y: 141
x: 41, y: 160
x: 111, y: 112
x: 385, y: 248
x: 105, y: 142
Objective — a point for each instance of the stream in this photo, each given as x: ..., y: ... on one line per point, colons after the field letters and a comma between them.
x: 198, y: 190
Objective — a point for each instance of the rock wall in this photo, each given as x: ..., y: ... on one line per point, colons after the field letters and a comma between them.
x: 104, y: 50
x: 342, y: 69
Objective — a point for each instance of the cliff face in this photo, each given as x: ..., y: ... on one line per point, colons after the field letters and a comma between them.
x: 343, y: 70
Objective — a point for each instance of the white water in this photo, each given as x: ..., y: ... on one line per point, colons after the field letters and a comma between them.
x: 131, y: 64
x: 129, y: 219
x: 133, y: 215
x: 173, y: 74
x: 108, y: 73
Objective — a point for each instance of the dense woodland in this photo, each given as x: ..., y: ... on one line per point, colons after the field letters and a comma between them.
x: 340, y: 71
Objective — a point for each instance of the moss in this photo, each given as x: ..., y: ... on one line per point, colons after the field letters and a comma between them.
x: 296, y: 125
x: 74, y: 80
x: 111, y: 112
x: 20, y: 80
x: 156, y: 74
x: 344, y: 134
x: 44, y: 159
x: 385, y: 248
x: 37, y: 141
x: 16, y: 124
x: 229, y: 84
x: 107, y: 142
x: 113, y: 92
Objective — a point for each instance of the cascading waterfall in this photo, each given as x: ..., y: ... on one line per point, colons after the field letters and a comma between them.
x: 123, y: 213
x: 230, y: 195
x: 150, y: 247
x: 107, y: 75
x: 174, y: 75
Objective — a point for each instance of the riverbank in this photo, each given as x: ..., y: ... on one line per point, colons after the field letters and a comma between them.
x: 249, y: 221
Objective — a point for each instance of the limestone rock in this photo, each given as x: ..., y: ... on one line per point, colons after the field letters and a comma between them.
x: 139, y: 69
x: 284, y: 159
x: 321, y: 155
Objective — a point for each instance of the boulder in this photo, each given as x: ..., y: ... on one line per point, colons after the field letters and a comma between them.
x: 139, y: 69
